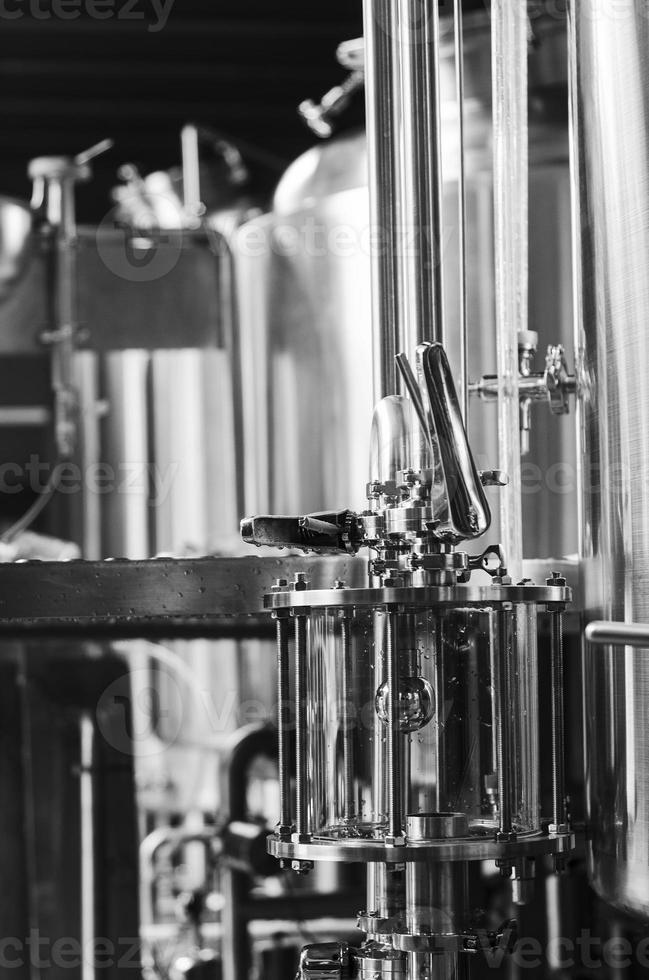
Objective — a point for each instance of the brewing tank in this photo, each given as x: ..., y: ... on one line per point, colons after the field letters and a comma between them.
x: 610, y: 80
x: 305, y: 310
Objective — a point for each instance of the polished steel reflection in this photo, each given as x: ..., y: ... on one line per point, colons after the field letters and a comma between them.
x: 382, y: 86
x: 610, y: 80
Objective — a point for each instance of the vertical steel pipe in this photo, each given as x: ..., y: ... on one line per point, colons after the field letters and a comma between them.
x: 436, y: 895
x: 509, y: 34
x: 381, y: 90
x: 420, y: 197
x: 405, y: 179
x: 458, y: 36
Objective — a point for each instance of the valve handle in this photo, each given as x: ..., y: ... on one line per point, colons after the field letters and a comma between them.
x: 333, y: 532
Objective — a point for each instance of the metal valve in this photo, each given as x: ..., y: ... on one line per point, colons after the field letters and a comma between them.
x: 319, y: 116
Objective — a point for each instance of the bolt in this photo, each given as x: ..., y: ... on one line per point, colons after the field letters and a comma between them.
x: 556, y: 580
x: 339, y: 584
x: 302, y: 867
x: 560, y: 865
x: 280, y: 585
x: 300, y: 582
x: 559, y: 828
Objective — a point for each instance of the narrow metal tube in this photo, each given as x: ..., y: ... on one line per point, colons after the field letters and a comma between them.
x: 393, y: 749
x: 283, y: 722
x: 458, y: 34
x: 381, y: 87
x: 558, y: 722
x: 404, y: 148
x: 510, y: 176
x: 349, y: 809
x: 421, y: 184
x: 301, y: 807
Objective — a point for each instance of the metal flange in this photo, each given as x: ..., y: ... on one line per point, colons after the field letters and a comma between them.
x: 468, y: 849
x: 423, y: 597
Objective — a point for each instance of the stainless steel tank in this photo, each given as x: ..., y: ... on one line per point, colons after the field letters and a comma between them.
x: 304, y: 302
x: 610, y: 82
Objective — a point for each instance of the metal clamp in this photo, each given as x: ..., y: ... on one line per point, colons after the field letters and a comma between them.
x: 325, y: 961
x: 558, y: 382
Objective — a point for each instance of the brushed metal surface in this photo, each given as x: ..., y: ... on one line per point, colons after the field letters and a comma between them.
x: 610, y: 72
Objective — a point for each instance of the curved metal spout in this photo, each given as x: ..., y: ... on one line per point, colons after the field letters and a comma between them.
x: 469, y: 514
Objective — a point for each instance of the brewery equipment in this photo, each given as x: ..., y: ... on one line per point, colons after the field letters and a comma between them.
x: 419, y: 268
x: 415, y: 698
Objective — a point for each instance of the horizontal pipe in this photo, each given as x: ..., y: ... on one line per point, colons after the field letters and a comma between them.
x: 601, y: 633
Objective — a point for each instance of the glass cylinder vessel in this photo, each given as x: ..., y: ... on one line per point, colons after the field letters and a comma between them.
x: 467, y: 717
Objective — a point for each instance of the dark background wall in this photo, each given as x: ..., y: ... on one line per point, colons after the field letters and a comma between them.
x: 239, y: 65
x: 75, y: 71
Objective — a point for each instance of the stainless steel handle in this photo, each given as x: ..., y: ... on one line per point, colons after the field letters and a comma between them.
x: 469, y: 513
x: 601, y: 633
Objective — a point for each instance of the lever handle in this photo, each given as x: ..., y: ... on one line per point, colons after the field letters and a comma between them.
x: 468, y: 510
x: 329, y: 532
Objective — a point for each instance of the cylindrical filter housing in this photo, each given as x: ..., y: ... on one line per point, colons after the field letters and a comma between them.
x: 466, y: 733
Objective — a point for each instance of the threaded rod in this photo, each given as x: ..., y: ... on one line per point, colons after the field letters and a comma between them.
x: 283, y: 722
